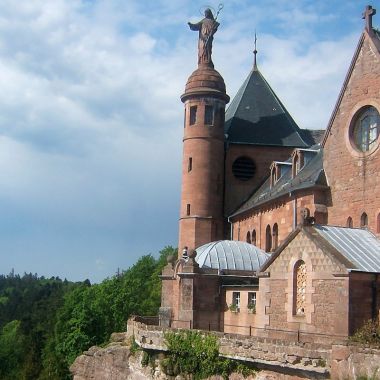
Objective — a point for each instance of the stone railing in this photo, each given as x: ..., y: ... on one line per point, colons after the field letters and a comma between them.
x: 311, y: 360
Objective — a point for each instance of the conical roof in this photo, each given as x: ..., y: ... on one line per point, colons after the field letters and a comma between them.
x: 257, y: 116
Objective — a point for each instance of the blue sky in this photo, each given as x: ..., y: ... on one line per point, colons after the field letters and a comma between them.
x: 91, y: 121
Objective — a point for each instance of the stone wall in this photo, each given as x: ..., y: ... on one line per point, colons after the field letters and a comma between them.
x: 326, y: 292
x: 284, y: 212
x: 283, y: 356
x: 353, y: 175
x: 236, y: 190
x: 364, y: 298
x: 278, y: 359
x: 349, y: 362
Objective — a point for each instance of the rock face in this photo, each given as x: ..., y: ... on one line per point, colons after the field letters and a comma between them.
x: 114, y: 362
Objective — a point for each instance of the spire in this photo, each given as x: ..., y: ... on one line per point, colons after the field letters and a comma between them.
x: 255, y: 53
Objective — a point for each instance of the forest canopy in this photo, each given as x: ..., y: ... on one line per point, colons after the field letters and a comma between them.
x: 46, y: 323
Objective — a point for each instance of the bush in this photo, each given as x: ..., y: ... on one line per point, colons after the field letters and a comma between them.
x: 192, y: 353
x: 369, y: 333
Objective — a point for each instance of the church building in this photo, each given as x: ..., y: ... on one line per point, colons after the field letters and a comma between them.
x: 279, y: 226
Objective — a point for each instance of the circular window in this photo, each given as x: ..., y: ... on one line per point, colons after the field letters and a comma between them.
x: 365, y: 129
x: 243, y: 168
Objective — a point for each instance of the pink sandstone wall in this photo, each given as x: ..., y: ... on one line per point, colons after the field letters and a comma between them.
x: 353, y: 176
x: 327, y: 296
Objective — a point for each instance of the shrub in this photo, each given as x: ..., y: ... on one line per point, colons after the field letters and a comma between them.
x: 369, y: 333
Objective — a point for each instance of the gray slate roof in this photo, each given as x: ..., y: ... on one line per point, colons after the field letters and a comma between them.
x: 311, y: 174
x: 257, y: 116
x: 357, y: 245
x: 230, y: 255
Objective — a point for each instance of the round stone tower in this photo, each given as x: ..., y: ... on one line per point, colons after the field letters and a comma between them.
x: 201, y: 215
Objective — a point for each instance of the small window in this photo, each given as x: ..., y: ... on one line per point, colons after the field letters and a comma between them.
x: 190, y: 164
x: 209, y: 115
x: 268, y: 239
x: 248, y: 237
x: 349, y: 222
x: 275, y: 236
x: 366, y: 129
x: 298, y: 162
x: 273, y: 177
x: 364, y: 220
x: 252, y: 302
x: 300, y: 288
x: 236, y: 301
x: 254, y: 237
x: 193, y: 115
x: 188, y: 209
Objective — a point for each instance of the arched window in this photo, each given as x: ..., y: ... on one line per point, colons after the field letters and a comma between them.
x: 378, y: 224
x: 248, y: 237
x: 349, y: 222
x: 268, y: 239
x: 298, y: 162
x: 364, y: 220
x: 299, y: 297
x: 273, y: 177
x: 254, y: 237
x: 275, y: 236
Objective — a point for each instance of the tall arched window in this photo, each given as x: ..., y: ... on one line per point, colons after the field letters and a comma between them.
x: 299, y: 297
x: 349, y: 222
x: 275, y: 236
x: 364, y: 220
x: 268, y: 239
x: 248, y: 237
x: 273, y: 177
x: 254, y: 237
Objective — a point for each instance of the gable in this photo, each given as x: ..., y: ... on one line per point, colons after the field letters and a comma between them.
x: 361, y: 82
x: 303, y: 247
x: 351, y: 172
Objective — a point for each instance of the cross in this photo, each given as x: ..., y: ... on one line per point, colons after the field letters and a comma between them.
x: 255, y: 52
x: 367, y: 16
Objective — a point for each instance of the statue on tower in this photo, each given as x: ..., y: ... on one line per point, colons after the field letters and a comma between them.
x: 207, y: 28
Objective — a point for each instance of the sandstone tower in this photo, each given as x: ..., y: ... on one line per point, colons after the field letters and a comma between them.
x: 201, y: 214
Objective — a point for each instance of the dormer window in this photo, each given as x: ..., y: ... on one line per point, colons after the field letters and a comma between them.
x: 277, y: 170
x: 273, y: 176
x: 297, y: 162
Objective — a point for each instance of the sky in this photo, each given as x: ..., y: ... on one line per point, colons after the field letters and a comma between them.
x: 91, y: 121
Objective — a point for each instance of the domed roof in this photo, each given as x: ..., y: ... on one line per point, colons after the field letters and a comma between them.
x: 205, y: 80
x: 230, y: 255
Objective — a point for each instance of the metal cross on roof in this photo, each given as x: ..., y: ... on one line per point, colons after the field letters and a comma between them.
x: 367, y: 16
x: 255, y: 53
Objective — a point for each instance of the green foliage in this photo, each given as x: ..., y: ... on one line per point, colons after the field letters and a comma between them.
x: 50, y: 321
x: 191, y: 352
x: 369, y: 333
x: 252, y: 307
x: 11, y: 350
x: 374, y: 376
x: 133, y: 346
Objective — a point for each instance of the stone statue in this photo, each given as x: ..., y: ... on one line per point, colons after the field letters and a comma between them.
x: 207, y: 28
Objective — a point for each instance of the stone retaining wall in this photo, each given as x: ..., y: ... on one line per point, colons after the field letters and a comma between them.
x: 350, y: 362
x: 310, y: 360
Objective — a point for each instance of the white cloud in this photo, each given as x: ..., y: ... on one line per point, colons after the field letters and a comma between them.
x: 91, y: 121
